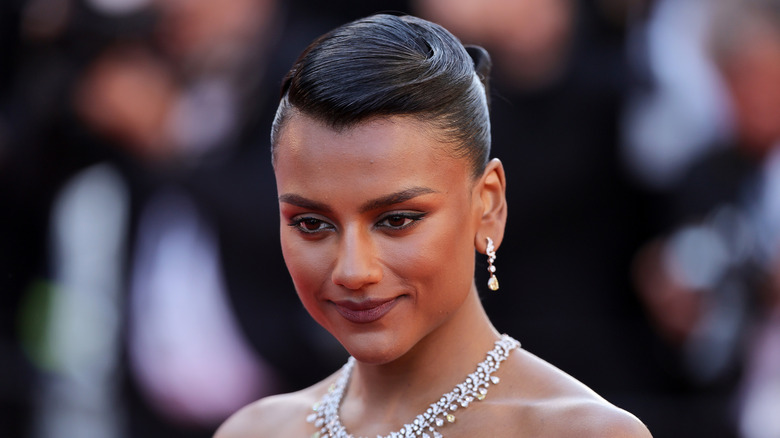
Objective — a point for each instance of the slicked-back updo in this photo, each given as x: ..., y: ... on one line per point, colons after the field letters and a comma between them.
x: 386, y: 65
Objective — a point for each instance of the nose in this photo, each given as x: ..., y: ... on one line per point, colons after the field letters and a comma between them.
x: 357, y: 264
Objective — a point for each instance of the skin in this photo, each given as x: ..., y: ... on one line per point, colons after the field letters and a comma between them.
x: 382, y: 212
x: 750, y: 75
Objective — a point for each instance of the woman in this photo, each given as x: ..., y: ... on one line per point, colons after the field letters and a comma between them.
x: 380, y: 150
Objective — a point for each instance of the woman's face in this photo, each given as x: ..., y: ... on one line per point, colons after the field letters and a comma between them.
x: 378, y: 226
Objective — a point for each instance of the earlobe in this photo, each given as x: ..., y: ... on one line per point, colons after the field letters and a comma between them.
x: 492, y: 193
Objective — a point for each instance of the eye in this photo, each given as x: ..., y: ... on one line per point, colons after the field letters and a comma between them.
x: 397, y: 221
x: 400, y: 221
x: 310, y: 225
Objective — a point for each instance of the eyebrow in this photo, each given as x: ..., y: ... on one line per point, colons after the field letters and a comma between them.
x: 303, y: 202
x: 373, y: 204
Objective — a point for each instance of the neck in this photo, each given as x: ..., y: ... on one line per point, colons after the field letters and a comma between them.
x: 402, y: 389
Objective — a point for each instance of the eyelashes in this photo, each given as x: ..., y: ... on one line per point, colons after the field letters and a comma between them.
x: 390, y: 222
x: 310, y: 225
x: 400, y: 221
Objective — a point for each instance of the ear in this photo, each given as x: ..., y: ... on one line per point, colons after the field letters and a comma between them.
x: 491, y: 190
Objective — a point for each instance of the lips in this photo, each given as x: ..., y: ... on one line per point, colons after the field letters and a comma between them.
x: 364, y: 312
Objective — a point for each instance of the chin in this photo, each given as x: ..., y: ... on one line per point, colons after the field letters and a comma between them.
x: 375, y: 347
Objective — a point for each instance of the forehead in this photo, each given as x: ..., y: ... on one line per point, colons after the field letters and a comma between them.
x: 393, y: 152
x: 303, y: 128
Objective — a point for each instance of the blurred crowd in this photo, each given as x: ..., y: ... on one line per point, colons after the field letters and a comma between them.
x: 143, y: 288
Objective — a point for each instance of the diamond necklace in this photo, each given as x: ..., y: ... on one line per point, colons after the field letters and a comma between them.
x: 475, y: 387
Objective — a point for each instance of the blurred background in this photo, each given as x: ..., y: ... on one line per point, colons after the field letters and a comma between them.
x: 142, y: 284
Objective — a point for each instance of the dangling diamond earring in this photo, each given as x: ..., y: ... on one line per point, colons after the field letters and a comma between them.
x: 491, y: 253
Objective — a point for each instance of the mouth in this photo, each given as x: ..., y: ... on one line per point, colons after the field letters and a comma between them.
x: 364, y: 312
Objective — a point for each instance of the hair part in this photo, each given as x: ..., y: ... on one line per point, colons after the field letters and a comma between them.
x: 386, y: 65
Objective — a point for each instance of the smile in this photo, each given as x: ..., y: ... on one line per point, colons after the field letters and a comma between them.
x: 364, y: 312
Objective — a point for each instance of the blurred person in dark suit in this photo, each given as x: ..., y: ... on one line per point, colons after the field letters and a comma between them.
x: 710, y: 282
x: 130, y: 141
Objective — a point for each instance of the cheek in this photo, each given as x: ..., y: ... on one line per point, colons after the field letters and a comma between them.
x: 308, y: 266
x: 441, y: 261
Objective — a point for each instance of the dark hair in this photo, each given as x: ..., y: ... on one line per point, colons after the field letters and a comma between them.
x: 386, y: 65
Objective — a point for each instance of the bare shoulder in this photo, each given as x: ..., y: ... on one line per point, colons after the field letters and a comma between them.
x: 583, y: 417
x: 278, y: 415
x: 545, y: 401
